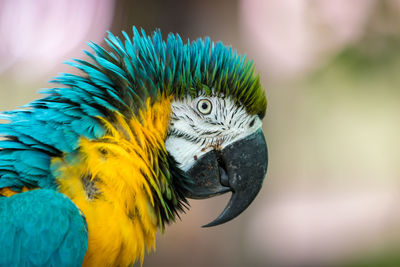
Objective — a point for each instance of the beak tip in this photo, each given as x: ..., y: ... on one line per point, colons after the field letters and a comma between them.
x: 211, y: 224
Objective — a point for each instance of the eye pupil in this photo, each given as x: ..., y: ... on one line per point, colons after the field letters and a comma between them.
x: 204, y: 105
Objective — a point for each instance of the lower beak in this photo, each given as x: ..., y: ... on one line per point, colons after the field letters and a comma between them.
x: 240, y: 168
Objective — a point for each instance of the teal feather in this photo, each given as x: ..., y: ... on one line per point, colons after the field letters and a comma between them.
x: 4, y: 144
x: 41, y: 228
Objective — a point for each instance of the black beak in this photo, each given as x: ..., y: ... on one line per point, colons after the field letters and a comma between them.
x: 239, y: 168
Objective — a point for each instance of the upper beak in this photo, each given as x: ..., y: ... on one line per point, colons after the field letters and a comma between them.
x: 240, y: 168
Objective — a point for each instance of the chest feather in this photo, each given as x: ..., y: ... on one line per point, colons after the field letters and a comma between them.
x: 114, y: 181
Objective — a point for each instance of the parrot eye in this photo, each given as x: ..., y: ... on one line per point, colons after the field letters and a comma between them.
x: 204, y: 106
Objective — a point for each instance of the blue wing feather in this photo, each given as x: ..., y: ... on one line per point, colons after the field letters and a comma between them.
x: 41, y: 228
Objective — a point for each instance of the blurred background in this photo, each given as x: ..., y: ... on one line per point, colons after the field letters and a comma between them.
x: 331, y: 71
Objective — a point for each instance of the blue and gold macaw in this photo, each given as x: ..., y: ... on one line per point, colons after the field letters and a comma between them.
x: 89, y: 172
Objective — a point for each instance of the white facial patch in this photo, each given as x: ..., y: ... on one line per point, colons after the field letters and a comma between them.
x: 202, y: 124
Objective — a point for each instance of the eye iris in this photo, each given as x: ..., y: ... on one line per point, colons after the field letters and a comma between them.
x: 204, y: 106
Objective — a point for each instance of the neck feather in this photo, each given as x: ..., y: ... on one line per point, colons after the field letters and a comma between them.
x: 120, y: 183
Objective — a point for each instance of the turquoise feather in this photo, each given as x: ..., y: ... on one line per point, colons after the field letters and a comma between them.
x: 29, y: 240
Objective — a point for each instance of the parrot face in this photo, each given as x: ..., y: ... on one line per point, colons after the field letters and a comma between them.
x: 221, y: 148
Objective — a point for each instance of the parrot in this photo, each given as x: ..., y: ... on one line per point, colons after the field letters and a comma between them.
x: 111, y: 153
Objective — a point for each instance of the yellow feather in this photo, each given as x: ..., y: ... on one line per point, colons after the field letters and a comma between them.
x: 8, y: 192
x: 122, y: 219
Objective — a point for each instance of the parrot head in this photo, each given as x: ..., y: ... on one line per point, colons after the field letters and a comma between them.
x: 215, y: 142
